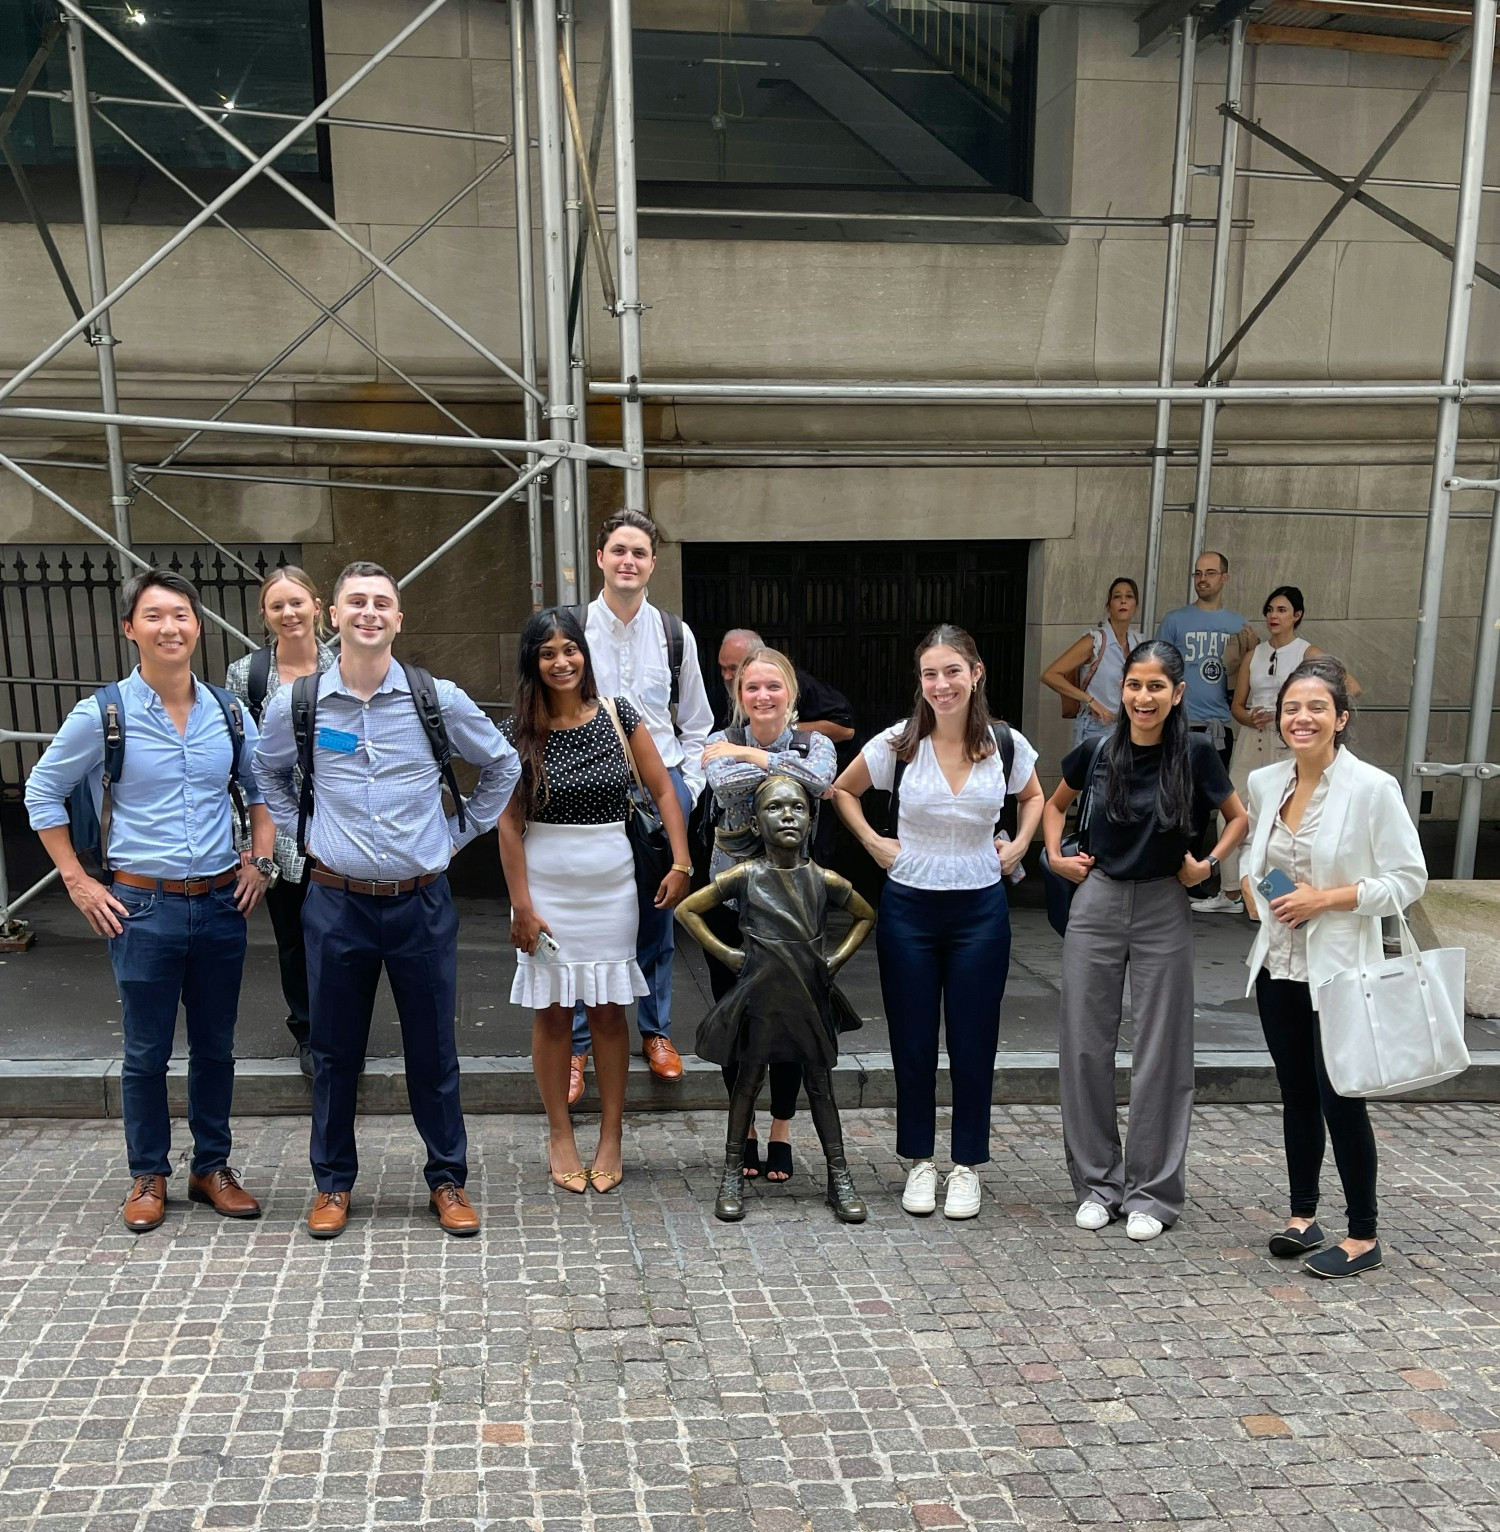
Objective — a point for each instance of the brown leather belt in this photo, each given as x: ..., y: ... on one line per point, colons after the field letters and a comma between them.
x: 380, y: 889
x: 191, y: 886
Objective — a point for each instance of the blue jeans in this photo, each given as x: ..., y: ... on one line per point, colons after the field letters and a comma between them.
x: 653, y: 951
x: 177, y: 949
x: 944, y: 954
x: 414, y: 937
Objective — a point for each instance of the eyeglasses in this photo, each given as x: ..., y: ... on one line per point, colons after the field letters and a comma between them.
x: 1271, y: 668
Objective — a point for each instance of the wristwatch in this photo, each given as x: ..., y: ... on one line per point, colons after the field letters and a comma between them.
x: 1213, y: 866
x: 265, y: 867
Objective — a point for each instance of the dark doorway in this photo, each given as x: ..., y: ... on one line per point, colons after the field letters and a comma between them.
x: 852, y: 614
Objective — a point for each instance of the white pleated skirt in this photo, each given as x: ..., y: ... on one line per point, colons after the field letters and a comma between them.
x: 582, y: 880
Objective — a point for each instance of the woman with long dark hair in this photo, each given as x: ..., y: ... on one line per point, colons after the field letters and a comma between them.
x: 571, y: 877
x: 1339, y: 832
x: 943, y: 938
x: 292, y: 613
x: 1088, y: 673
x: 1156, y: 785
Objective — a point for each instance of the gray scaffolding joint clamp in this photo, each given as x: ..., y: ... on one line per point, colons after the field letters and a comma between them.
x: 1183, y: 218
x: 561, y: 412
x: 96, y: 339
x: 633, y: 389
x: 1482, y: 770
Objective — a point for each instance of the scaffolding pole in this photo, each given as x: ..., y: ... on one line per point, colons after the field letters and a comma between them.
x: 1181, y: 159
x: 559, y: 409
x: 627, y: 248
x: 1481, y: 704
x: 574, y: 173
x: 1218, y: 285
x: 101, y: 335
x: 1455, y: 353
x: 520, y: 108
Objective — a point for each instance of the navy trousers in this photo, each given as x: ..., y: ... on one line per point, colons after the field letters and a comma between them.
x: 414, y: 936
x: 944, y: 956
x: 188, y: 950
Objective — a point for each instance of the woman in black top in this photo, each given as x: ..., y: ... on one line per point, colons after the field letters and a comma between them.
x: 1155, y: 785
x: 572, y: 877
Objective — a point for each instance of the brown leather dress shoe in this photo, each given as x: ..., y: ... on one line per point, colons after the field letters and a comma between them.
x: 146, y: 1204
x: 329, y: 1216
x: 579, y: 1063
x: 664, y: 1059
x: 452, y: 1208
x: 222, y: 1191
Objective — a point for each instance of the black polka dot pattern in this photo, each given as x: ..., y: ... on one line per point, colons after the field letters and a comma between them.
x: 588, y: 777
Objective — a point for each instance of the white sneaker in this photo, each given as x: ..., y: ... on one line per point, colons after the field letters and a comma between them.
x: 1143, y: 1226
x: 1219, y: 904
x: 962, y: 1200
x: 1091, y: 1215
x: 920, y: 1196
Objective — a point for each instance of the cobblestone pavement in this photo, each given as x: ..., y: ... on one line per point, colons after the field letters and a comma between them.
x: 623, y: 1361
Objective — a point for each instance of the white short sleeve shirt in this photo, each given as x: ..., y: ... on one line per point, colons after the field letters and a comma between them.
x: 947, y: 838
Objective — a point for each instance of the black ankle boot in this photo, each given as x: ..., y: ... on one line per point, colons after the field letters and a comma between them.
x: 842, y: 1197
x: 729, y: 1205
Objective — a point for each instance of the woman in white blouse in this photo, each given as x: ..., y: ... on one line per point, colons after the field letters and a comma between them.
x: 943, y: 938
x: 1339, y: 831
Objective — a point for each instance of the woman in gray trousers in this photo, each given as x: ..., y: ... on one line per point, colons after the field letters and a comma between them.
x: 1154, y: 786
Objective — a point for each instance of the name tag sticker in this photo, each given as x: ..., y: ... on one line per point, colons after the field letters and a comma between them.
x: 337, y: 740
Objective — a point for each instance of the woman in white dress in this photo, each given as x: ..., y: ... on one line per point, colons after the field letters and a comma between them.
x: 1262, y: 674
x: 570, y: 873
x: 943, y: 937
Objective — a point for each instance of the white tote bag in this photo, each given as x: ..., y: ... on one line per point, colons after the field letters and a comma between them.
x: 1394, y: 1024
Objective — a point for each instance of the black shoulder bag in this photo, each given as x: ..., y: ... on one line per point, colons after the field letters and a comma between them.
x: 1060, y: 890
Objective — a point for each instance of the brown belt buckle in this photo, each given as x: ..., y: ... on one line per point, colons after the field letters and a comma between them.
x: 387, y: 889
x: 195, y: 886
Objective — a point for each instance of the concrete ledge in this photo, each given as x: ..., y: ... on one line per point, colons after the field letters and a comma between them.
x: 274, y: 1087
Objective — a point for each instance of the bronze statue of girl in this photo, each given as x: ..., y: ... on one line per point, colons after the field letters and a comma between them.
x: 784, y: 1006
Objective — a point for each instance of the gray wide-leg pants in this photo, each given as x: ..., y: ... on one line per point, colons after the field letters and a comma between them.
x: 1146, y: 926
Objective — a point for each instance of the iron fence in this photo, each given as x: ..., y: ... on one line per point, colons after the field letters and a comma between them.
x: 60, y: 632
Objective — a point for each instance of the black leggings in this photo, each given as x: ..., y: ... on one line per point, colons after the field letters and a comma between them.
x: 1308, y: 1100
x: 786, y: 1079
x: 820, y: 1102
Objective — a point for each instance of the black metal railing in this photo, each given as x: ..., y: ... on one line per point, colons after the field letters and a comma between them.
x: 60, y: 633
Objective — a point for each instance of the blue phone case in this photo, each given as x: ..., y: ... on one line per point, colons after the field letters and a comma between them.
x: 1276, y: 883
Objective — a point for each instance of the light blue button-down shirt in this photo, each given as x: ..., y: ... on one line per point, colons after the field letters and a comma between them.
x: 172, y: 813
x: 378, y: 808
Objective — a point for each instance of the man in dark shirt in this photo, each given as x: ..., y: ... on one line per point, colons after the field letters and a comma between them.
x: 821, y: 709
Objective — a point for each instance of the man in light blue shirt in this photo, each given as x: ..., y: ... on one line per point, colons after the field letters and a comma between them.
x: 1212, y: 640
x: 380, y: 842
x: 179, y: 891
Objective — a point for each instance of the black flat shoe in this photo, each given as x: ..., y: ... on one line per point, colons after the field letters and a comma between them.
x: 1337, y: 1262
x: 779, y: 1162
x: 1292, y: 1242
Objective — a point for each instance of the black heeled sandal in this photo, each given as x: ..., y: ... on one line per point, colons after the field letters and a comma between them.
x: 779, y: 1162
x: 752, y: 1157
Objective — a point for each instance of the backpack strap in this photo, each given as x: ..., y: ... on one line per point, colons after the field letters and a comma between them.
x: 234, y: 725
x: 304, y: 720
x: 430, y: 713
x: 671, y: 626
x: 258, y: 683
x: 111, y: 704
x: 1005, y: 743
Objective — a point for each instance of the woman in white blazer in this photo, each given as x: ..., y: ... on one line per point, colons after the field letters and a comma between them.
x: 1339, y: 830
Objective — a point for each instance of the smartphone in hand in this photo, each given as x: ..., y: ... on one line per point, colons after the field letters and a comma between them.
x: 546, y: 948
x: 1276, y: 883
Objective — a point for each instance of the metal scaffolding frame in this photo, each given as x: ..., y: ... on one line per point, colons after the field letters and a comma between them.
x: 555, y: 447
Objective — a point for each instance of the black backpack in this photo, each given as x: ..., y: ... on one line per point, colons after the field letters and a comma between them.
x: 258, y: 683
x: 88, y: 829
x: 1005, y: 743
x: 424, y: 697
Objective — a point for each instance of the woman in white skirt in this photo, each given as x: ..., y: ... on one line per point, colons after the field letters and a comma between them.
x: 570, y: 873
x: 1262, y: 674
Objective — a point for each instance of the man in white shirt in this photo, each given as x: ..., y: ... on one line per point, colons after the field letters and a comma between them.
x: 649, y: 656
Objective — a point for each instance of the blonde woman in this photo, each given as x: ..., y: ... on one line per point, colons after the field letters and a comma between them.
x: 761, y: 741
x: 292, y: 613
